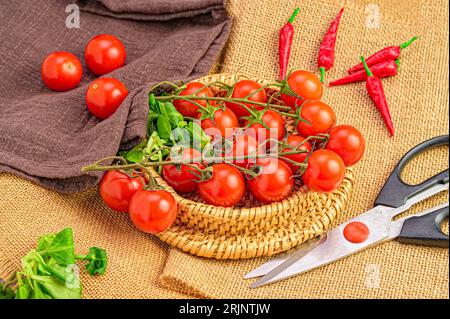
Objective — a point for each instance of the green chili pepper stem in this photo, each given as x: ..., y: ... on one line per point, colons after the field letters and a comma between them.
x: 369, y: 73
x: 408, y: 43
x: 322, y: 74
x: 398, y: 64
x: 294, y: 15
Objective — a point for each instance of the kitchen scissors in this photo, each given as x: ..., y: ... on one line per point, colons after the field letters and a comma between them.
x: 377, y: 224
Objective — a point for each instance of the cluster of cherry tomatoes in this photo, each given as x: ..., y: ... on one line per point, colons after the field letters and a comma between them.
x: 274, y: 181
x: 62, y: 71
x: 317, y: 153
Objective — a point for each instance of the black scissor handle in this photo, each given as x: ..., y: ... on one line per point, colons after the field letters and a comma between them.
x: 396, y: 192
x: 425, y: 230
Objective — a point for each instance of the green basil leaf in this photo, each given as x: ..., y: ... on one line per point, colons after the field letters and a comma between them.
x: 174, y: 116
x: 38, y: 293
x: 62, y: 248
x: 98, y: 261
x: 29, y: 264
x: 52, y: 268
x: 136, y: 154
x: 164, y: 128
x: 152, y: 102
x: 45, y: 241
x: 199, y: 138
x: 6, y: 293
x: 23, y: 291
x: 58, y: 289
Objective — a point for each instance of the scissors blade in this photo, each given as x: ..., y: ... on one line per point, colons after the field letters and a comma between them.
x: 297, y: 252
x: 335, y: 246
x: 278, y: 264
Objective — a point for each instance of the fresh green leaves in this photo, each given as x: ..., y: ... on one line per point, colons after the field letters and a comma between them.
x: 136, y: 154
x: 6, y: 292
x: 166, y: 128
x: 48, y: 287
x: 97, y: 261
x: 61, y: 248
x: 50, y: 272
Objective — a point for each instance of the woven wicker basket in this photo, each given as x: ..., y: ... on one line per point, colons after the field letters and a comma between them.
x: 252, y: 229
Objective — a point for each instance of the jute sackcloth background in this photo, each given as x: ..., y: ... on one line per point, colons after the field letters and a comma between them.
x: 140, y: 266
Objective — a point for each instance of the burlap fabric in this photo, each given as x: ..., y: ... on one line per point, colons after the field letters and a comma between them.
x: 142, y: 267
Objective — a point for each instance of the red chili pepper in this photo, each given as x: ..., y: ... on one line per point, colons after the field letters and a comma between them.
x: 285, y: 44
x: 381, y: 70
x: 326, y: 51
x: 388, y: 53
x: 376, y: 92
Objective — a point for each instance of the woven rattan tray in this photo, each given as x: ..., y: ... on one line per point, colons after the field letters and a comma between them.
x: 252, y: 229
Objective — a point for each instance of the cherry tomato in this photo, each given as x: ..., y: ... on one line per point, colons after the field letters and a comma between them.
x: 104, y: 96
x: 293, y: 141
x: 306, y: 85
x: 348, y: 143
x: 189, y: 109
x: 61, y: 71
x: 325, y: 172
x: 104, y: 53
x: 117, y: 188
x: 319, y: 114
x: 226, y: 187
x: 274, y: 121
x: 221, y: 124
x: 181, y: 178
x: 244, y: 145
x: 274, y: 182
x: 243, y: 89
x: 153, y: 211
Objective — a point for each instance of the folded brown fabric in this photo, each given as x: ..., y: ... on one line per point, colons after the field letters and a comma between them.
x: 48, y: 136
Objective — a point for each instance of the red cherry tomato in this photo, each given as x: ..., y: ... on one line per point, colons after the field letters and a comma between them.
x: 153, y: 211
x: 293, y: 141
x: 226, y: 187
x: 104, y: 96
x: 274, y: 121
x: 319, y: 114
x: 181, y: 178
x: 325, y: 172
x: 244, y: 145
x: 117, y: 188
x: 243, y: 89
x: 104, y: 53
x: 306, y: 85
x: 221, y: 124
x: 61, y: 71
x: 347, y: 142
x: 189, y: 109
x: 274, y: 182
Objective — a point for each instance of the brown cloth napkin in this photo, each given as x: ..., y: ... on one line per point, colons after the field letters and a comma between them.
x: 48, y: 136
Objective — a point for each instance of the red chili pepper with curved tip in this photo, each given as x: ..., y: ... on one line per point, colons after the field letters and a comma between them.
x: 326, y: 51
x: 285, y: 44
x: 381, y: 70
x: 388, y: 53
x: 376, y: 92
